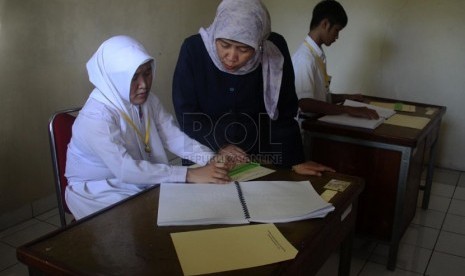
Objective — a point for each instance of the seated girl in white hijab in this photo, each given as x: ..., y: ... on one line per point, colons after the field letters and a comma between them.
x: 119, y: 137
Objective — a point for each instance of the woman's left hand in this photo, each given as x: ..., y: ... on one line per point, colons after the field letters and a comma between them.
x: 231, y: 155
x: 311, y: 168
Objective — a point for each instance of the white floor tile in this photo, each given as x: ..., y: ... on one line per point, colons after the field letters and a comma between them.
x: 54, y: 220
x: 16, y: 270
x: 451, y: 243
x: 421, y: 236
x: 438, y: 203
x: 371, y: 269
x: 444, y: 190
x: 459, y: 193
x: 429, y: 218
x: 28, y: 234
x: 461, y: 180
x: 7, y: 256
x: 446, y: 176
x: 445, y: 265
x: 44, y: 204
x: 47, y: 215
x: 17, y: 228
x: 413, y: 258
x: 15, y: 217
x: 457, y: 207
x: 409, y: 257
x: 53, y: 217
x: 454, y: 224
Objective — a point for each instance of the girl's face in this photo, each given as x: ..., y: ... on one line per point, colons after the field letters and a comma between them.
x: 233, y: 55
x: 141, y: 84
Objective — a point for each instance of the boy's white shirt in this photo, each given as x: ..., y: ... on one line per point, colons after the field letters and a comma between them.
x: 309, y: 79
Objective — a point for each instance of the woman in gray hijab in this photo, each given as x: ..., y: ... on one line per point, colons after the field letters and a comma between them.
x: 234, y: 84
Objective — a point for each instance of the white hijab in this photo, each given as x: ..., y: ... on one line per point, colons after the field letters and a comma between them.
x: 111, y: 70
x: 112, y: 67
x: 248, y: 22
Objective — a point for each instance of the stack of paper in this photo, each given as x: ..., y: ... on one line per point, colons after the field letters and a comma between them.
x: 345, y: 119
x: 396, y: 106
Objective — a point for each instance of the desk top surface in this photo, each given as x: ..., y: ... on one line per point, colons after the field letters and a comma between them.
x: 384, y: 133
x: 125, y: 240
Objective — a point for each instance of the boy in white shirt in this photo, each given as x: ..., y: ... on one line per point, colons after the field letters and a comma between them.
x: 309, y: 61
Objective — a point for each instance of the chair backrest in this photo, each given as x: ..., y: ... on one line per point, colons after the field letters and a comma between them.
x: 60, y: 125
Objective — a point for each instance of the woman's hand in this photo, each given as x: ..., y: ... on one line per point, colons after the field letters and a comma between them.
x: 231, y: 155
x: 213, y: 172
x: 311, y: 168
x: 217, y: 169
x: 234, y: 153
x: 361, y: 112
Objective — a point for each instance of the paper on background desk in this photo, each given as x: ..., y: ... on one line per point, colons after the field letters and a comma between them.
x: 408, y: 121
x: 345, y: 119
x: 395, y: 106
x: 224, y: 249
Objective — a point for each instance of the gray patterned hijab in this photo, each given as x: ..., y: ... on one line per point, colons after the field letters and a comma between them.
x: 248, y: 22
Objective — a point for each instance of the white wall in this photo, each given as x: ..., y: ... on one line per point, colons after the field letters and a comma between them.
x: 410, y: 50
x: 44, y: 46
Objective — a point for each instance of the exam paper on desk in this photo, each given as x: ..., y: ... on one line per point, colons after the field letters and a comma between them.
x: 408, y: 121
x: 223, y: 249
x: 345, y: 119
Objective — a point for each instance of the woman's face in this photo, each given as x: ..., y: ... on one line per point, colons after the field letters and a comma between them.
x: 141, y: 84
x: 233, y: 55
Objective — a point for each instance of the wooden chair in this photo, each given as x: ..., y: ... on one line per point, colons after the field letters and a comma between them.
x: 60, y: 125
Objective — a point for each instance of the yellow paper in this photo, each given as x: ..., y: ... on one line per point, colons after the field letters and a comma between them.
x: 224, y: 249
x: 328, y: 194
x: 430, y: 110
x: 395, y: 106
x: 337, y: 185
x: 408, y: 121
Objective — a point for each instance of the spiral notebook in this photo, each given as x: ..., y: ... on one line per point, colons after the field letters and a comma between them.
x: 239, y: 203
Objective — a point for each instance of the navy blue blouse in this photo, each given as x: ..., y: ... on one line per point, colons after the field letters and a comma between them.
x: 217, y: 108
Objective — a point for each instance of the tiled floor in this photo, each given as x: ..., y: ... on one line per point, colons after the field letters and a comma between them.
x: 434, y: 244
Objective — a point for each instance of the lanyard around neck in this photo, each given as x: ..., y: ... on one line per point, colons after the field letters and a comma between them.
x: 147, y: 130
x: 128, y: 119
x: 321, y: 64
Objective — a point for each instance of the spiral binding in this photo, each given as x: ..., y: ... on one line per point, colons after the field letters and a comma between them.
x: 241, y: 198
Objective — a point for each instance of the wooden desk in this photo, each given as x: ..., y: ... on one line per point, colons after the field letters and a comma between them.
x: 390, y: 159
x: 124, y: 239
